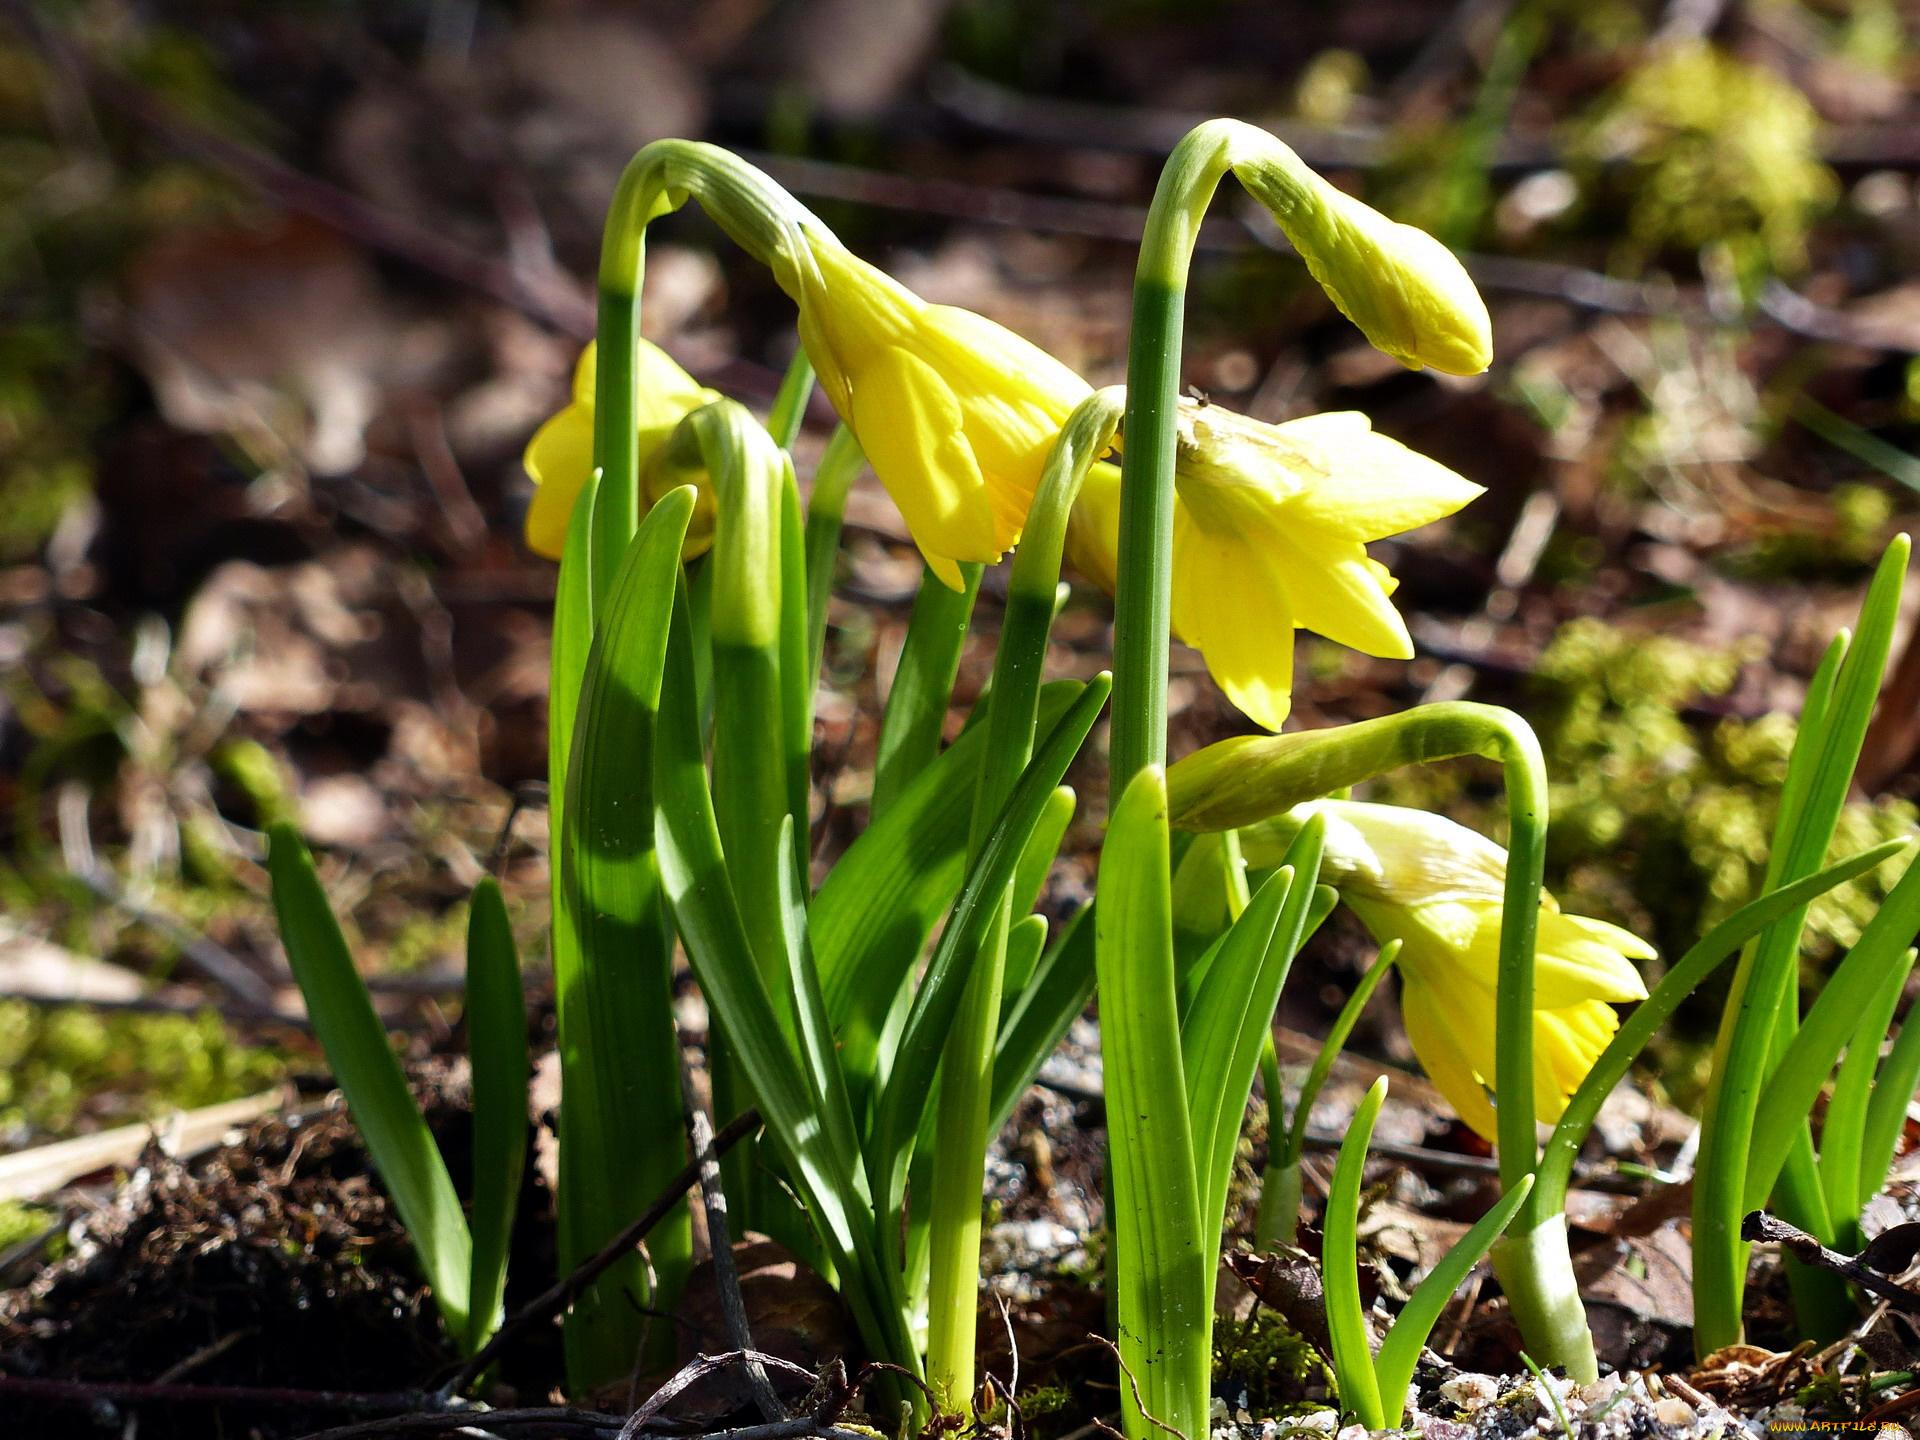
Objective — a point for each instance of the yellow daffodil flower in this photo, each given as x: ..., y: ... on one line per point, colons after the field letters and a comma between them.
x: 1437, y: 887
x: 560, y: 455
x: 955, y: 413
x: 1270, y: 525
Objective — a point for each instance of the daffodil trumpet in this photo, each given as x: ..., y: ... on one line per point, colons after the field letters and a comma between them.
x: 964, y: 1109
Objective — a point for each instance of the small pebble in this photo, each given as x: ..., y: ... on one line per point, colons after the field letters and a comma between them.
x: 1470, y: 1391
x: 1671, y: 1411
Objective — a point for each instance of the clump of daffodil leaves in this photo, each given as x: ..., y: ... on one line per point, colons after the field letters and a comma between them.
x: 883, y: 1022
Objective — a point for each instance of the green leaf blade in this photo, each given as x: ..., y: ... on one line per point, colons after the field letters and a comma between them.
x: 496, y: 1018
x: 369, y: 1075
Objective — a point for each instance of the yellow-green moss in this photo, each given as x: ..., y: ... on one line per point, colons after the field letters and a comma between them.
x: 1269, y: 1357
x: 60, y: 1065
x: 1706, y: 149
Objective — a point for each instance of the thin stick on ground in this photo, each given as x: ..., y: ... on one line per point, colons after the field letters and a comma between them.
x: 701, y: 1367
x: 733, y: 1307
x: 1805, y: 1248
x: 557, y: 1298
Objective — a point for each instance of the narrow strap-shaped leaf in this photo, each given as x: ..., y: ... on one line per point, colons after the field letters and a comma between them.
x: 1843, y: 1129
x: 1353, y: 1372
x: 1843, y: 731
x: 1161, y: 1258
x: 369, y: 1075
x: 1033, y: 1022
x: 1893, y: 1092
x: 813, y: 1029
x: 1025, y: 942
x: 752, y: 724
x: 496, y: 1018
x: 707, y: 915
x: 789, y: 411
x: 617, y: 1037
x: 799, y: 671
x: 1294, y: 1145
x: 1206, y: 883
x: 910, y: 1076
x: 1036, y: 861
x: 1835, y: 1016
x: 1762, y: 1006
x: 1231, y: 1015
x: 872, y: 916
x: 1400, y: 1351
x: 922, y: 683
x: 1706, y: 955
x: 1209, y: 1029
x: 572, y: 643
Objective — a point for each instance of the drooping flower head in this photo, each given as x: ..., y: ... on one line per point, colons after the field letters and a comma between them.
x: 1437, y: 887
x: 560, y: 455
x: 1270, y: 524
x: 955, y: 413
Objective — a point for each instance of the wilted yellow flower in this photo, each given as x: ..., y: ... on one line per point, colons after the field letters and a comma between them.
x: 1437, y: 887
x: 1269, y: 531
x: 560, y: 455
x: 955, y: 413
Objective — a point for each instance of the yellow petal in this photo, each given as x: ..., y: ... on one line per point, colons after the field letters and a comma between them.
x: 1437, y: 1031
x: 945, y: 571
x: 1376, y: 486
x: 1333, y: 591
x: 559, y: 458
x: 666, y: 392
x: 908, y: 423
x: 1566, y: 1042
x: 1409, y: 857
x: 1230, y: 605
x: 979, y: 356
x: 1093, y: 527
x: 1574, y: 964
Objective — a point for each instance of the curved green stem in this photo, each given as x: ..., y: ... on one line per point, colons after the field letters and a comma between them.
x: 757, y: 214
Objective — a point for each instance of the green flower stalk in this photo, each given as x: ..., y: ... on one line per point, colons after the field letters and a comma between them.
x: 1404, y: 290
x: 1413, y: 300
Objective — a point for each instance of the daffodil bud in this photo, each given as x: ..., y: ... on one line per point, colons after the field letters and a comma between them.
x: 1437, y: 887
x: 1405, y: 290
